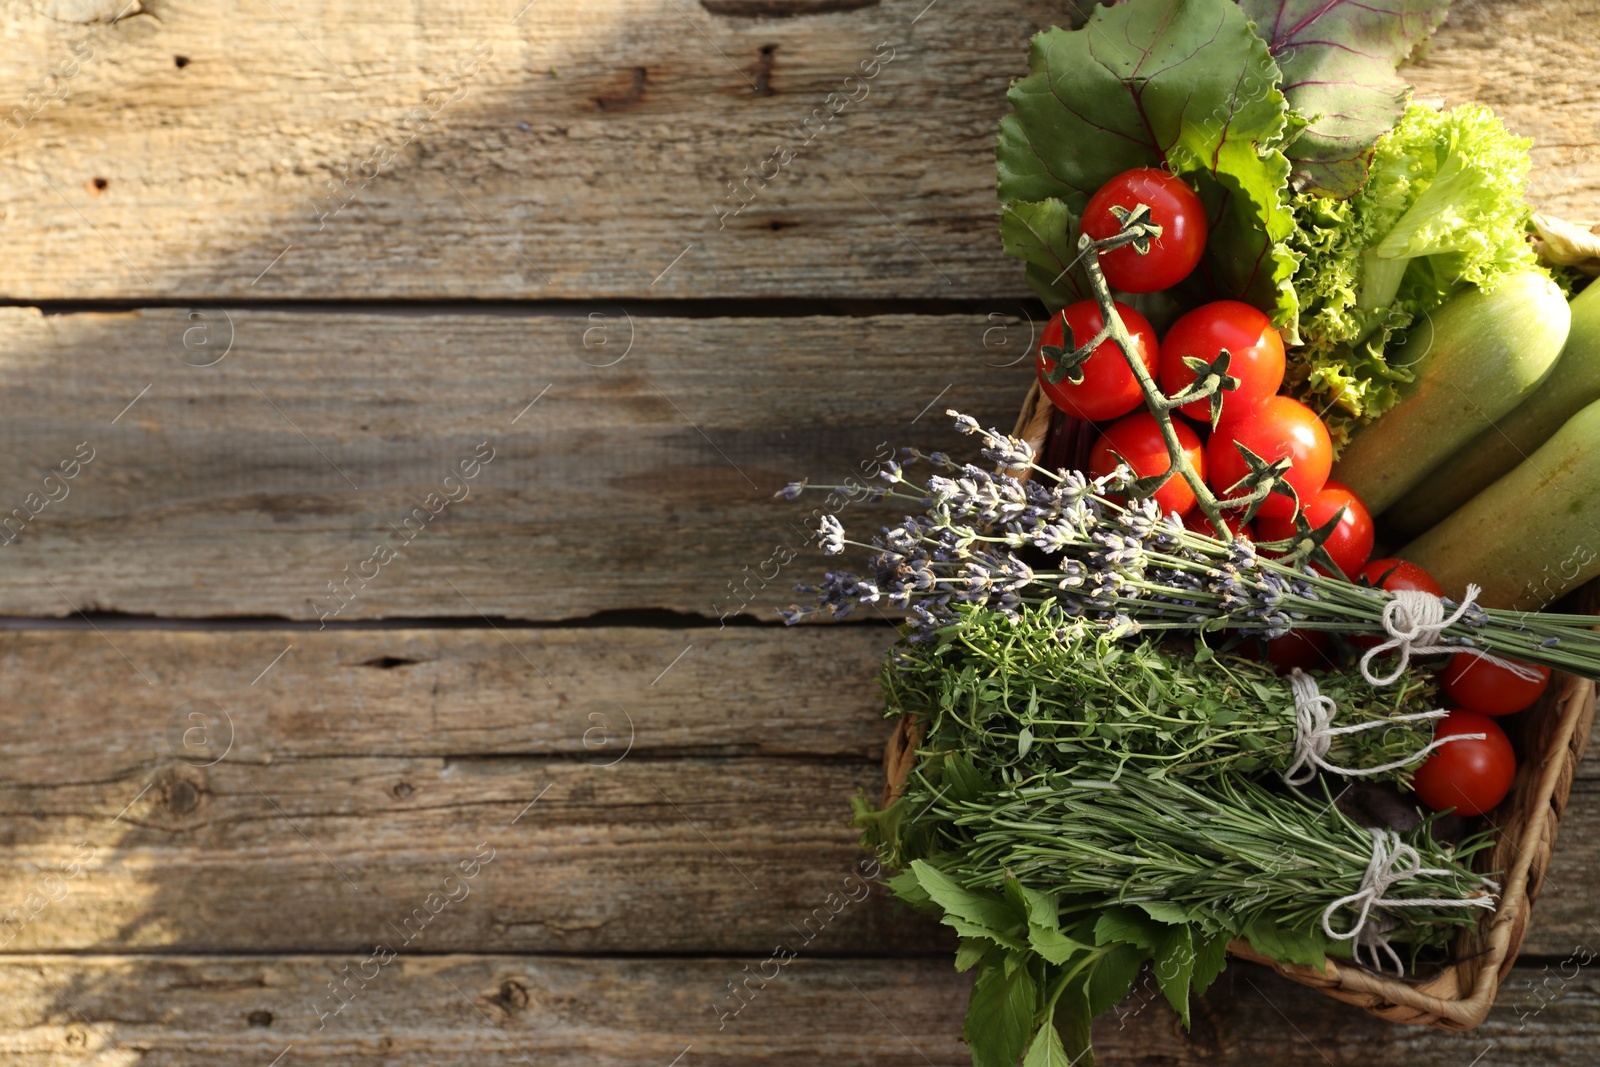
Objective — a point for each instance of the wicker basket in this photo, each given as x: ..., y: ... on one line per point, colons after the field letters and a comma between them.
x: 1550, y: 737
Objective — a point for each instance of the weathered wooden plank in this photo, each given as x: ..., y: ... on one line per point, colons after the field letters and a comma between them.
x: 570, y: 125
x: 593, y: 695
x: 396, y: 752
x: 571, y: 151
x: 453, y: 1010
x: 646, y: 855
x: 264, y: 484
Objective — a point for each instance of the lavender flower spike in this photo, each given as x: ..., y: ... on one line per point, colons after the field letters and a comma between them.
x: 964, y: 423
x: 1009, y: 452
x: 830, y: 535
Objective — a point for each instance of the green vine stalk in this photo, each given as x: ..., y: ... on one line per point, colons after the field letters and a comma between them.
x: 1212, y: 379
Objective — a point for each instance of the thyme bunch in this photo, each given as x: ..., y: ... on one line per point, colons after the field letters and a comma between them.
x: 1006, y: 689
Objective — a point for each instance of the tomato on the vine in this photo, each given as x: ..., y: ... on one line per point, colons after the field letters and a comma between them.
x: 1279, y: 428
x: 1173, y: 206
x: 1471, y: 775
x: 1255, y: 348
x: 1137, y: 439
x: 1401, y: 574
x: 1109, y: 388
x: 1350, y: 544
x: 1488, y: 688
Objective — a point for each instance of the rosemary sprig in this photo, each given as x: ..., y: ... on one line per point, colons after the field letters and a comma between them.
x: 1006, y: 689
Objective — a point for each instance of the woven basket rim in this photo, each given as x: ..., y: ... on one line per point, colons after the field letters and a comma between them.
x: 1461, y: 995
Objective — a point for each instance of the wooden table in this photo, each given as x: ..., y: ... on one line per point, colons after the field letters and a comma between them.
x: 417, y: 384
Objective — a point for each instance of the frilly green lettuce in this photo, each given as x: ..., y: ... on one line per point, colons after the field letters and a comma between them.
x: 1442, y: 208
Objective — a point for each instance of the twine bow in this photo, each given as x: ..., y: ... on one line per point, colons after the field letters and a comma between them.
x: 1393, y: 861
x: 1314, y: 733
x: 1414, y: 621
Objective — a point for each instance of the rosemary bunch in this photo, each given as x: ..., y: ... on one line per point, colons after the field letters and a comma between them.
x: 993, y: 540
x: 1061, y: 885
x: 1005, y: 688
x: 1228, y: 858
x: 1220, y: 856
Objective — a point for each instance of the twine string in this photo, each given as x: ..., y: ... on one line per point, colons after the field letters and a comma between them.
x: 1393, y: 862
x: 1415, y: 621
x: 1314, y: 733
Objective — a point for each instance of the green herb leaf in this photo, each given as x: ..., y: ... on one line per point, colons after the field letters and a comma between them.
x: 1112, y: 976
x: 1210, y: 957
x: 1339, y: 65
x: 1164, y: 912
x: 971, y: 913
x: 1043, y: 909
x: 1126, y: 924
x: 906, y: 886
x: 1053, y: 945
x: 1181, y: 84
x: 1000, y: 1015
x: 1044, y: 930
x: 1286, y: 945
x: 961, y: 779
x: 1046, y: 1049
x: 1044, y: 236
x: 1072, y: 1018
x: 970, y: 952
x: 1173, y: 967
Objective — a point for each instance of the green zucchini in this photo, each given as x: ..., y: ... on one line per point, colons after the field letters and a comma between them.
x: 1475, y: 359
x: 1531, y: 536
x: 1573, y: 384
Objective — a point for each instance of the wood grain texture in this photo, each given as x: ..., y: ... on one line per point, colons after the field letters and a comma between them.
x: 394, y: 753
x: 649, y: 855
x: 262, y: 485
x: 1532, y: 63
x: 576, y: 151
x: 629, y: 1012
x: 590, y: 146
x: 73, y: 700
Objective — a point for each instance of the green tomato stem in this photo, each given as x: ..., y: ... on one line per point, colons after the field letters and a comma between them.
x: 1158, y: 403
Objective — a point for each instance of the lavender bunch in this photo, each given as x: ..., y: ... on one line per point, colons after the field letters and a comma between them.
x: 1062, y: 542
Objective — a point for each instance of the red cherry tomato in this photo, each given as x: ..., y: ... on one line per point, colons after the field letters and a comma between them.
x: 1173, y: 206
x: 1109, y: 388
x: 1255, y: 347
x: 1197, y: 522
x: 1489, y: 689
x: 1137, y: 439
x: 1279, y: 428
x: 1402, y: 574
x: 1470, y: 776
x: 1306, y: 649
x: 1351, y: 541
